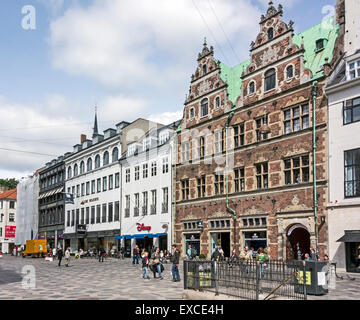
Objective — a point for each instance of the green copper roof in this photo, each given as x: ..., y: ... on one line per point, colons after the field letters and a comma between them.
x: 327, y: 30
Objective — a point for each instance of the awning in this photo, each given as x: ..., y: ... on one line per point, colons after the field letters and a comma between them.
x: 141, y: 236
x: 350, y: 236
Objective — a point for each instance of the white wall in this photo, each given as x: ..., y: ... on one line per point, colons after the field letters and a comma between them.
x: 352, y: 27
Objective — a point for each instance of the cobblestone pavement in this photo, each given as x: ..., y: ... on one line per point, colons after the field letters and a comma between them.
x: 85, y: 279
x: 88, y: 279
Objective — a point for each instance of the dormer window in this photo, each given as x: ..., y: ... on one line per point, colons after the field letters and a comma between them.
x: 289, y: 72
x: 270, y: 34
x: 192, y: 113
x: 217, y: 102
x: 320, y: 44
x: 354, y: 69
x: 251, y: 87
x: 204, y: 69
x: 146, y: 144
x: 270, y: 79
x: 131, y: 150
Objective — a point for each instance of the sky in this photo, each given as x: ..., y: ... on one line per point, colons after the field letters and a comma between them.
x: 131, y: 58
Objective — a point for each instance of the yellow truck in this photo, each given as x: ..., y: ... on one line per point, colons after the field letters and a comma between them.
x: 35, y: 248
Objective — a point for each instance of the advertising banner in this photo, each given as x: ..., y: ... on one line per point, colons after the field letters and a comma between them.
x: 10, y: 232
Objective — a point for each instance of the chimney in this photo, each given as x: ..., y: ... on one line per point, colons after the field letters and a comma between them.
x: 82, y: 138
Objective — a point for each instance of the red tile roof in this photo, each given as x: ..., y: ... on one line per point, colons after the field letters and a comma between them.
x: 9, y: 194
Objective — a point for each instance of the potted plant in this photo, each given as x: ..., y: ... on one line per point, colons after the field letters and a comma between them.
x: 202, y: 256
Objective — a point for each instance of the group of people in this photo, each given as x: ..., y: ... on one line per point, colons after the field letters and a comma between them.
x: 155, y: 260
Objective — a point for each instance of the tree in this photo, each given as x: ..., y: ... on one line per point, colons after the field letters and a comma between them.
x: 9, y: 183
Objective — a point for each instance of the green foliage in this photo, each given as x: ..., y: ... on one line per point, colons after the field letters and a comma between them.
x: 10, y: 183
x: 202, y: 256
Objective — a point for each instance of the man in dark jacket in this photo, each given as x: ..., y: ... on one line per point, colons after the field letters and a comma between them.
x: 175, y: 259
x: 216, y: 256
x: 101, y: 254
x: 60, y: 255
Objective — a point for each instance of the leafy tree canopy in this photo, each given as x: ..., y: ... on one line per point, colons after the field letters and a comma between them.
x: 10, y: 183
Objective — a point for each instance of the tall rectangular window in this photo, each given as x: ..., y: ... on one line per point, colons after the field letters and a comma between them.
x: 72, y: 218
x: 239, y: 179
x: 185, y: 190
x: 165, y: 203
x: 260, y: 122
x: 201, y: 188
x: 165, y: 165
x: 201, y: 147
x: 104, y: 207
x: 104, y: 183
x: 137, y: 204
x: 296, y: 170
x: 153, y: 168
x: 219, y: 141
x: 145, y: 203
x: 185, y: 153
x: 354, y: 69
x: 111, y: 182
x: 77, y: 218
x: 153, y: 202
x: 127, y: 175
x: 117, y: 211
x: 145, y: 170
x: 87, y: 188
x: 78, y: 191
x: 262, y: 175
x: 352, y: 173
x: 82, y: 189
x: 68, y: 219
x: 92, y: 215
x: 98, y: 213
x: 87, y: 218
x: 117, y: 180
x: 110, y: 213
x: 239, y: 135
x: 127, y: 206
x: 137, y: 173
x: 98, y: 182
x: 219, y: 184
x: 352, y: 111
x: 92, y: 186
x: 82, y: 216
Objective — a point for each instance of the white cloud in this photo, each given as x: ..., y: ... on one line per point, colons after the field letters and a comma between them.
x: 285, y: 3
x: 166, y: 117
x: 133, y: 43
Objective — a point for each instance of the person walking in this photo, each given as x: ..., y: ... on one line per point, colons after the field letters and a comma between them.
x: 101, y: 254
x: 145, y: 265
x: 60, y: 255
x: 136, y: 254
x: 156, y: 264
x: 216, y: 256
x: 261, y: 258
x: 246, y: 255
x: 54, y: 253
x: 175, y: 259
x: 67, y: 257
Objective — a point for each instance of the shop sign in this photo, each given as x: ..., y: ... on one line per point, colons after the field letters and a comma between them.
x: 61, y: 236
x: 10, y: 231
x: 90, y: 200
x: 164, y: 226
x: 142, y: 227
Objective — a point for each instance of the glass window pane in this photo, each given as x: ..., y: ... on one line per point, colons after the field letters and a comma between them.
x: 347, y: 116
x: 356, y: 113
x: 305, y: 109
x: 305, y: 122
x: 296, y: 124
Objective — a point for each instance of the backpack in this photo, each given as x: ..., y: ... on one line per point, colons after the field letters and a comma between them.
x: 193, y: 253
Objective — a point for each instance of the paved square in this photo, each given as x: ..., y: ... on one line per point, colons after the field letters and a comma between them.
x: 85, y: 279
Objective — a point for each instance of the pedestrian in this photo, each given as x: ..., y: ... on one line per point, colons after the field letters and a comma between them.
x: 136, y: 254
x: 253, y: 252
x: 307, y: 257
x: 313, y: 254
x: 152, y: 250
x: 67, y: 257
x: 222, y: 253
x: 261, y: 258
x: 122, y: 251
x: 156, y: 264
x: 175, y: 259
x: 216, y: 256
x: 101, y: 254
x: 246, y: 255
x: 298, y: 251
x: 54, y: 253
x: 267, y: 252
x: 60, y: 255
x: 143, y: 253
x: 145, y: 265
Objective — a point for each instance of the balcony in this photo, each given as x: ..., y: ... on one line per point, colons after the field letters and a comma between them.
x: 144, y: 210
x: 153, y: 209
x: 165, y: 207
x: 136, y: 211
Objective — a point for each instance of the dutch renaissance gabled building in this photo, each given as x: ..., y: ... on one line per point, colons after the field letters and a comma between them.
x: 244, y: 156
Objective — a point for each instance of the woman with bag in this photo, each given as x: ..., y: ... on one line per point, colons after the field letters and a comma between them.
x: 156, y: 264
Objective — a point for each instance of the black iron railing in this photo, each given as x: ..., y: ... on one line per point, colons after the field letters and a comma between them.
x: 247, y: 279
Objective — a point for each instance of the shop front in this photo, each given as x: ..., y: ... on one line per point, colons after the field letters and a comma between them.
x: 192, y: 239
x: 351, y: 238
x: 255, y: 239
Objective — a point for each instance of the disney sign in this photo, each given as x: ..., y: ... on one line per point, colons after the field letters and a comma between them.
x: 141, y: 227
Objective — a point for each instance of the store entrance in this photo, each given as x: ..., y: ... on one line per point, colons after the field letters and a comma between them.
x: 145, y: 243
x: 194, y: 241
x: 222, y: 240
x: 163, y: 242
x: 255, y: 240
x: 352, y: 256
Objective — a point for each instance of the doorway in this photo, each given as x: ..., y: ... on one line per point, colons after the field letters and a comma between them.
x: 221, y: 239
x: 299, y: 239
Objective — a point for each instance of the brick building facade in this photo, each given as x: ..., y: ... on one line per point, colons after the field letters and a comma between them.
x: 244, y: 171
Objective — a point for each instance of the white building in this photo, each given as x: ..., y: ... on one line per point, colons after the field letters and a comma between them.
x: 147, y: 191
x: 343, y: 91
x: 93, y: 177
x: 7, y: 220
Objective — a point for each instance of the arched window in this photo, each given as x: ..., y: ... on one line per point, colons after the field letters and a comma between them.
x: 106, y: 158
x: 89, y: 164
x: 204, y: 107
x: 97, y: 161
x: 82, y: 167
x: 251, y: 87
x: 76, y: 170
x: 69, y: 173
x: 115, y: 154
x: 217, y: 102
x: 204, y: 69
x: 270, y: 79
x: 289, y: 72
x: 270, y: 34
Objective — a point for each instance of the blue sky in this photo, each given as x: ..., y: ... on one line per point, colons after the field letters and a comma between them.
x: 132, y: 58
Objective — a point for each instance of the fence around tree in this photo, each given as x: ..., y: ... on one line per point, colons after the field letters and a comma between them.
x: 247, y: 279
